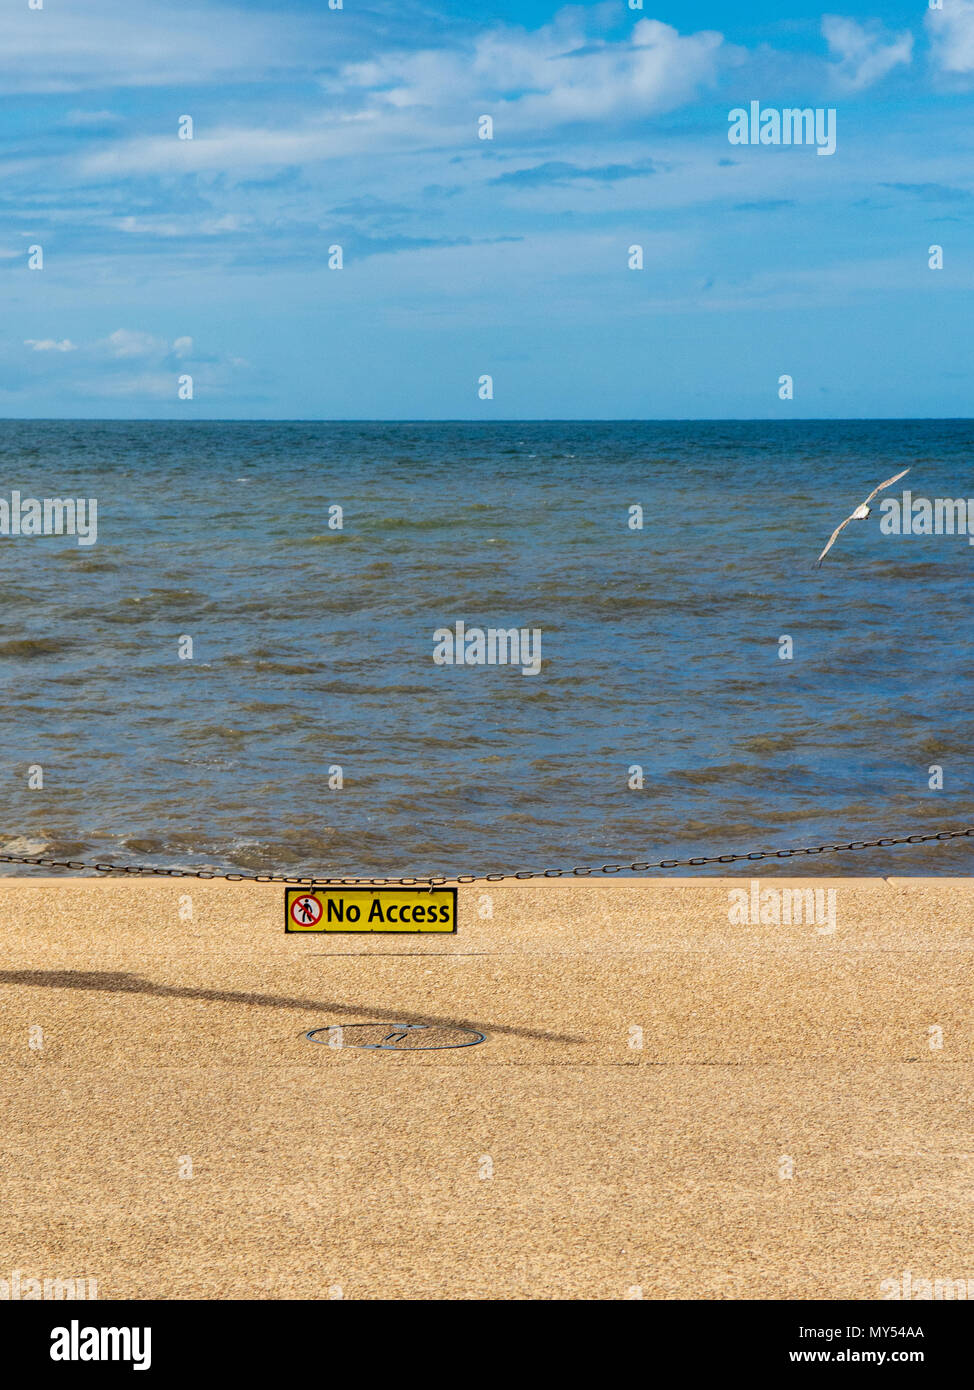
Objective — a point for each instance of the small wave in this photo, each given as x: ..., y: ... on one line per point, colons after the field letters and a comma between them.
x: 223, y: 731
x: 88, y: 564
x: 730, y: 772
x: 935, y: 747
x: 910, y: 569
x: 144, y: 844
x: 770, y: 743
x: 285, y: 668
x: 32, y: 646
x: 407, y: 523
x: 22, y: 844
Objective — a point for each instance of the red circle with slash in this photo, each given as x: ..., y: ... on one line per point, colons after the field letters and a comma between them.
x: 306, y: 911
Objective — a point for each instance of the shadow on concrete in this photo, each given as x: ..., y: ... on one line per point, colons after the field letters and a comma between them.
x: 119, y: 982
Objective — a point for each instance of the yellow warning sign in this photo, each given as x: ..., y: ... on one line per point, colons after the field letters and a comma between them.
x: 370, y: 909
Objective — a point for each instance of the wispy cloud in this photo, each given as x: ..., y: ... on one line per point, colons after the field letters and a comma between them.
x: 127, y: 342
x: 952, y: 36
x: 546, y: 77
x: 528, y: 81
x: 130, y: 363
x: 131, y: 43
x: 864, y: 53
x: 50, y: 345
x: 92, y: 120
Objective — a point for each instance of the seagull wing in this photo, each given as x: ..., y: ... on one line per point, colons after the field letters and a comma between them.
x: 832, y: 540
x: 888, y: 483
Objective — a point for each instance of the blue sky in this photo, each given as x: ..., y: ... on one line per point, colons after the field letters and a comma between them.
x: 464, y: 257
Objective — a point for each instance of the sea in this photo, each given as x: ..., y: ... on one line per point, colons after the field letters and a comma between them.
x: 703, y: 689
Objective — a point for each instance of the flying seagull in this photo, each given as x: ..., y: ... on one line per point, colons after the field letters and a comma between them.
x: 860, y: 514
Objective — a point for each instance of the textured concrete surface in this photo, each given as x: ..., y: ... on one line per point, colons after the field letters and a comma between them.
x: 652, y: 1074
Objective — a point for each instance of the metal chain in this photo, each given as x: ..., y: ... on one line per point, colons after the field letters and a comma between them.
x: 434, y: 880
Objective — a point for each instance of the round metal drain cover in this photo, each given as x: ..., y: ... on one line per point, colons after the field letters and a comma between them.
x: 396, y: 1037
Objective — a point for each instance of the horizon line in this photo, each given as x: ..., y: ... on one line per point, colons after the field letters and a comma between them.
x: 476, y: 420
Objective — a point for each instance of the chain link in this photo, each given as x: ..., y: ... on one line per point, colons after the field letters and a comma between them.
x: 436, y: 880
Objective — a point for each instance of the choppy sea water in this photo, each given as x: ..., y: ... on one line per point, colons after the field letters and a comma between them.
x: 313, y: 647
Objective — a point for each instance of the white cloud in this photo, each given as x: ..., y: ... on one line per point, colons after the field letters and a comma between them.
x: 82, y: 120
x: 131, y: 363
x: 864, y: 53
x: 153, y: 385
x: 952, y: 35
x: 131, y: 43
x: 128, y: 342
x: 132, y: 343
x: 529, y: 81
x: 240, y: 149
x: 50, y: 345
x: 548, y: 76
x: 189, y: 224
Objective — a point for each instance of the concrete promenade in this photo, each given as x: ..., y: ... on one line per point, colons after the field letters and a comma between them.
x: 667, y: 1101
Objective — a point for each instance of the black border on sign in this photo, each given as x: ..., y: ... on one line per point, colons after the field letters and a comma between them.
x: 326, y: 888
